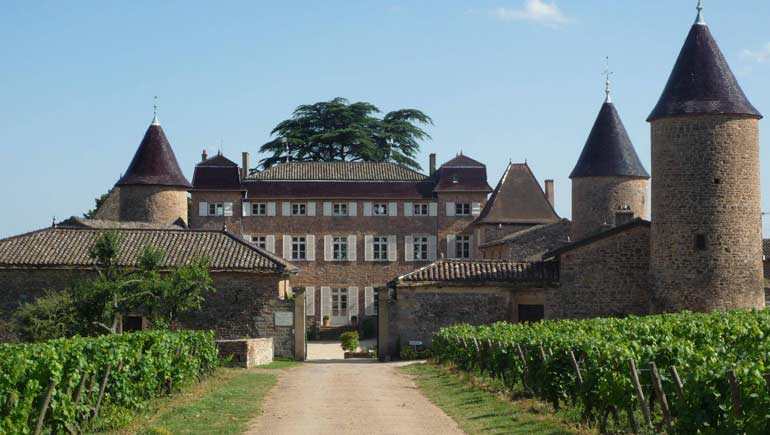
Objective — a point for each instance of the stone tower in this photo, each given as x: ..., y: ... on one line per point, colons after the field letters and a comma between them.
x: 153, y: 188
x: 609, y: 182
x: 706, y: 218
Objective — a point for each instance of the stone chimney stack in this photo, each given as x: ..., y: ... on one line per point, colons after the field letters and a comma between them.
x: 549, y: 192
x: 432, y: 163
x: 245, y: 164
x: 204, y: 155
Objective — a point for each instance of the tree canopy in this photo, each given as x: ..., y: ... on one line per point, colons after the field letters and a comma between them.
x: 338, y: 130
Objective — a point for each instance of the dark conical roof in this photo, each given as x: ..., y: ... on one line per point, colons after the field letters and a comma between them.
x: 154, y: 162
x: 702, y: 82
x: 608, y: 152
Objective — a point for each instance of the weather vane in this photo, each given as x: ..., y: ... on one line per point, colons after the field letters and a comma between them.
x: 155, y: 110
x: 607, y: 74
x: 699, y: 19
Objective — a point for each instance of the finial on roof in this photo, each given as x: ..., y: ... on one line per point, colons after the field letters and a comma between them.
x: 607, y: 74
x: 53, y: 222
x: 699, y: 19
x: 155, y: 111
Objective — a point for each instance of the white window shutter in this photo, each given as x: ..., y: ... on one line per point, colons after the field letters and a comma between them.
x: 327, y: 248
x: 432, y: 248
x: 392, y: 209
x: 310, y: 247
x: 475, y: 208
x: 271, y: 209
x: 369, y: 301
x: 327, y: 208
x: 326, y: 302
x: 450, y: 208
x: 353, y: 209
x: 228, y: 209
x: 351, y: 247
x: 408, y: 208
x: 310, y: 301
x: 287, y: 246
x: 247, y: 208
x: 203, y: 209
x: 353, y: 301
x: 433, y: 209
x: 367, y: 209
x: 286, y: 208
x: 311, y: 208
x: 451, y: 246
x: 408, y: 248
x: 270, y: 243
x: 392, y: 248
x: 368, y: 248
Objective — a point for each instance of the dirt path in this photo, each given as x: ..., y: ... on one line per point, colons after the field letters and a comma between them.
x: 340, y: 398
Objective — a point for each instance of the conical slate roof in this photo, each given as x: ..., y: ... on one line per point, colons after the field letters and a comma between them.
x: 154, y: 162
x: 702, y: 82
x: 608, y: 152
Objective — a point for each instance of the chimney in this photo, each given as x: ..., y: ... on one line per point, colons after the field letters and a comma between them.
x: 245, y: 164
x: 204, y: 155
x: 432, y: 164
x: 549, y: 192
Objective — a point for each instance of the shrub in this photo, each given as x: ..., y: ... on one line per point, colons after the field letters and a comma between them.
x: 409, y: 353
x: 49, y: 316
x: 349, y: 341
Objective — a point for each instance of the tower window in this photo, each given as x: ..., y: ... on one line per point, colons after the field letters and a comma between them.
x: 700, y: 242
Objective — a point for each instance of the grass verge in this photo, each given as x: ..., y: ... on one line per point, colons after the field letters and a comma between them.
x: 279, y: 364
x: 478, y: 409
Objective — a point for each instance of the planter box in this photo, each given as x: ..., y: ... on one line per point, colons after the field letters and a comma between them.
x: 349, y: 355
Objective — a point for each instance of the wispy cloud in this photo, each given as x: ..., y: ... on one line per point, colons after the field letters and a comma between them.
x: 537, y: 11
x: 762, y: 55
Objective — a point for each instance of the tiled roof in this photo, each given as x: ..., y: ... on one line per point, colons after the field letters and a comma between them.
x: 217, y: 161
x: 608, y: 152
x: 701, y: 82
x: 217, y: 173
x: 462, y: 174
x: 104, y: 224
x: 338, y: 171
x: 417, y: 190
x: 154, y: 162
x: 766, y: 248
x: 68, y: 247
x: 463, y: 161
x: 479, y: 271
x: 531, y: 244
x: 596, y: 237
x: 518, y: 198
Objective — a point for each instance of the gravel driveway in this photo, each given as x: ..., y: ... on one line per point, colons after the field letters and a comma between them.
x: 338, y: 397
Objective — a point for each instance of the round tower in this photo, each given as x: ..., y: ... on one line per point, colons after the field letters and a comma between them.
x: 153, y: 188
x: 609, y: 182
x: 706, y: 234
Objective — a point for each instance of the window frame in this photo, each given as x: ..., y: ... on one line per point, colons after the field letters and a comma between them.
x: 380, y: 248
x: 379, y: 209
x: 421, y: 209
x: 217, y: 209
x: 420, y: 246
x: 340, y: 246
x: 463, y: 209
x: 337, y: 209
x: 298, y: 209
x: 259, y: 209
x: 259, y: 241
x: 463, y: 242
x: 299, y: 248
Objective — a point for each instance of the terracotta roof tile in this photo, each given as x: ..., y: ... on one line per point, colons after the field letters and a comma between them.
x: 531, y: 244
x: 338, y: 171
x: 463, y: 271
x: 518, y: 198
x: 154, y: 162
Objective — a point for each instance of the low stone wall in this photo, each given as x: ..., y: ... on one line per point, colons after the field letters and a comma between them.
x: 247, y: 353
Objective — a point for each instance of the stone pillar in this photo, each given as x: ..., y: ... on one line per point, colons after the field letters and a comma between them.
x: 300, y: 348
x: 383, y: 351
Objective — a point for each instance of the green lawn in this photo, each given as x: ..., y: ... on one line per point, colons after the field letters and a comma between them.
x: 479, y: 410
x: 280, y: 364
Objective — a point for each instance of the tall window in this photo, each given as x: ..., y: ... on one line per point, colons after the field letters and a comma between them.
x: 463, y: 247
x: 340, y: 248
x: 259, y: 241
x: 340, y: 209
x: 420, y: 209
x: 462, y: 209
x: 216, y: 209
x: 380, y: 209
x: 380, y: 248
x: 339, y: 302
x: 258, y: 209
x: 298, y: 209
x: 420, y: 248
x: 298, y: 248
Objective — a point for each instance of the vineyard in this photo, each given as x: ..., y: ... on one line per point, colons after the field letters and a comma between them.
x: 61, y: 386
x: 683, y: 373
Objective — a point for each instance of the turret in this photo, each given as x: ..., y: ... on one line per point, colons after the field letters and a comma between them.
x: 153, y: 188
x: 706, y: 219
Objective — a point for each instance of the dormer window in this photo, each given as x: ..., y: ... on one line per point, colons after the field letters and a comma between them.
x: 455, y: 179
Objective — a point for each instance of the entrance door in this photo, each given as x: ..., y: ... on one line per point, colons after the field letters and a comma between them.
x: 531, y: 313
x: 340, y: 307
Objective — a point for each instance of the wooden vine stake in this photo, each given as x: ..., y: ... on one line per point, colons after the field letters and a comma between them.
x: 658, y: 386
x: 44, y: 407
x: 631, y: 418
x: 576, y: 366
x: 735, y: 392
x: 677, y: 383
x: 102, y: 387
x: 639, y: 392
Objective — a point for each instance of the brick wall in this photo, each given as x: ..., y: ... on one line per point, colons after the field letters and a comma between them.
x: 199, y: 222
x: 609, y: 277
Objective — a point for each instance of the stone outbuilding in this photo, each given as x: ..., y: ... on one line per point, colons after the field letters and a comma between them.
x: 530, y: 244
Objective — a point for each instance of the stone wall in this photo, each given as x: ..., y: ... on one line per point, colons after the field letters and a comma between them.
x: 595, y: 200
x: 158, y: 204
x: 247, y: 353
x: 706, y: 215
x: 606, y: 278
x: 491, y: 232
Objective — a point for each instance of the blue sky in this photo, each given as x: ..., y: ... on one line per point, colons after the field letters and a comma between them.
x: 508, y: 79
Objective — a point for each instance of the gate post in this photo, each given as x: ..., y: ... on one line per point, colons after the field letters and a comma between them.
x: 383, y: 351
x: 299, y: 324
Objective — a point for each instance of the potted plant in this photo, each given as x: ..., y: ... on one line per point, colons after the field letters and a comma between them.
x: 326, y: 320
x: 349, y: 343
